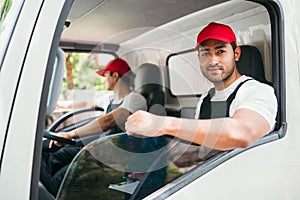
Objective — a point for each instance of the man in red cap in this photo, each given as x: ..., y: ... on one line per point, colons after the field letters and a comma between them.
x: 124, y: 103
x: 235, y: 113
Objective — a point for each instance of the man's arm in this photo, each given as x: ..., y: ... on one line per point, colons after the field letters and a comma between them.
x: 103, y: 123
x: 97, y: 126
x: 131, y: 103
x: 240, y: 131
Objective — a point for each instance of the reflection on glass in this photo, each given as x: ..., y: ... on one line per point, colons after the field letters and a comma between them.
x: 128, y: 167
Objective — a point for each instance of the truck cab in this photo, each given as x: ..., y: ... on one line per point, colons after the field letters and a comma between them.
x: 35, y: 37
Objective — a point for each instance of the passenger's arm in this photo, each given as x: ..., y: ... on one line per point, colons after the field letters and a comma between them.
x: 240, y: 131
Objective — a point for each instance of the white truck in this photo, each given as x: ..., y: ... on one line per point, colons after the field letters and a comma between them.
x: 34, y: 34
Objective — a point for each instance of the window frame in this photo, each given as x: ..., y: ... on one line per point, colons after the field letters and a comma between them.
x: 278, y: 82
x: 168, y: 89
x: 278, y: 77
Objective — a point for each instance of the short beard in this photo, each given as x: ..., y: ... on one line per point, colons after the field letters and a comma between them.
x: 222, y: 79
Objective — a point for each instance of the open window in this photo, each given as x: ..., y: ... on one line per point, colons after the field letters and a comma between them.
x: 262, y: 32
x: 81, y: 94
x: 100, y: 169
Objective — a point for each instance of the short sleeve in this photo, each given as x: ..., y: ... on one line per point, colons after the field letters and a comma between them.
x: 134, y: 102
x: 260, y: 98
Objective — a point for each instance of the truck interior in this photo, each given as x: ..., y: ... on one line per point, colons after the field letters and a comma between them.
x: 157, y: 39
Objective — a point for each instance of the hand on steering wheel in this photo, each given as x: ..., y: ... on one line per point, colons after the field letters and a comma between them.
x: 58, y: 139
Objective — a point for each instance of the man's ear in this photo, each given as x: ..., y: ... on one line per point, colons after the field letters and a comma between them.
x: 116, y: 75
x: 237, y: 53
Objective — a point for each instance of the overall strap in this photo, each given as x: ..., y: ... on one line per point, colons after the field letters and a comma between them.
x: 233, y: 94
x: 109, y: 107
x: 116, y: 128
x: 217, y: 109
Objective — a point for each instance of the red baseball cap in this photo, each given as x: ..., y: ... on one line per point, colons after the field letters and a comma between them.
x: 117, y: 65
x: 216, y: 31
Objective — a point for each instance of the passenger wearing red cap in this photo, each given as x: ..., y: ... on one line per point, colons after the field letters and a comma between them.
x: 233, y: 114
x: 117, y: 70
x: 124, y: 103
x: 117, y: 65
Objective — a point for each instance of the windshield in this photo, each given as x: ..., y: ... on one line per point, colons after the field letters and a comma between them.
x: 128, y: 167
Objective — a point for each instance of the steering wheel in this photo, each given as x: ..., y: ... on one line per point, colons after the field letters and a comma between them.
x: 50, y: 133
x: 52, y: 136
x: 68, y: 115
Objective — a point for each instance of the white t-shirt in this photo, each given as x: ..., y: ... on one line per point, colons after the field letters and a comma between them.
x: 253, y: 95
x: 133, y: 102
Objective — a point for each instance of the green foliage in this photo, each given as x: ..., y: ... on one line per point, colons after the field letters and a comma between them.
x: 5, y: 6
x: 84, y: 73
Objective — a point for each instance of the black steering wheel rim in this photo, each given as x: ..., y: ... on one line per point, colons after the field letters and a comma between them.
x: 52, y: 136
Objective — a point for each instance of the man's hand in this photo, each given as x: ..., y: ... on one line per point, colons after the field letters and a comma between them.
x: 146, y: 124
x: 66, y: 135
x: 136, y: 175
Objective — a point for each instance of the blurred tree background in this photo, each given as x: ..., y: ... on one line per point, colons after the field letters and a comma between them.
x: 81, y: 86
x: 5, y: 6
x: 81, y: 73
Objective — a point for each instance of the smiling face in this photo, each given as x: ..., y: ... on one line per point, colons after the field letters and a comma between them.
x: 218, y: 62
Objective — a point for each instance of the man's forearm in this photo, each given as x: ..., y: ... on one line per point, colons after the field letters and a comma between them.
x: 94, y: 127
x: 216, y: 133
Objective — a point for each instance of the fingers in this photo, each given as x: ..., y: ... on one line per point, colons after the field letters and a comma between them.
x: 132, y: 125
x: 56, y: 143
x: 136, y: 175
x: 52, y: 142
x: 141, y: 123
x: 128, y: 125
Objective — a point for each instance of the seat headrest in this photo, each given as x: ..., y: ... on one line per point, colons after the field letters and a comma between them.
x: 251, y: 64
x: 147, y: 78
x: 149, y: 84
